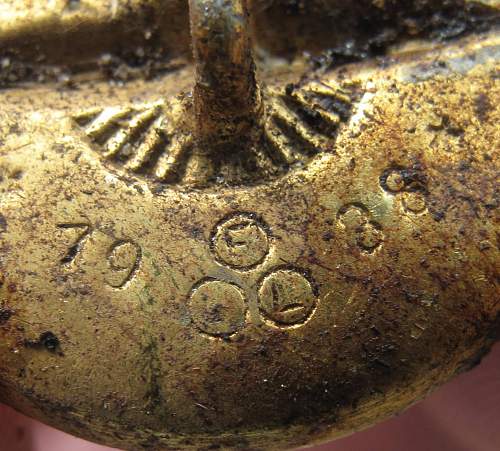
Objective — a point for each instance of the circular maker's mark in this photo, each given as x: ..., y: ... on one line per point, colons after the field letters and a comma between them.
x: 414, y: 202
x: 356, y: 219
x: 217, y: 308
x: 241, y: 242
x: 370, y: 236
x: 394, y: 181
x: 287, y: 298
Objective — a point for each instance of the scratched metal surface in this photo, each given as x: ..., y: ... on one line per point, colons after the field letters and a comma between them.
x: 321, y: 272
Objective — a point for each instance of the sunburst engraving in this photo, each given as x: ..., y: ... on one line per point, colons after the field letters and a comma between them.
x: 143, y: 139
x: 155, y: 140
x: 303, y: 120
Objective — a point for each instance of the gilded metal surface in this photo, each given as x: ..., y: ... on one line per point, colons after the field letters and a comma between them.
x: 199, y: 256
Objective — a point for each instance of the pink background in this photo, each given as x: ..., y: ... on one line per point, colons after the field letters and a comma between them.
x: 462, y: 416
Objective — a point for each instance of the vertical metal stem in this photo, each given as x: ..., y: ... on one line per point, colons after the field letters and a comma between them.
x: 226, y: 96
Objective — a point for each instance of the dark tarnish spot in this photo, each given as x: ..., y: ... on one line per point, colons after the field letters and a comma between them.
x: 3, y: 223
x: 5, y: 315
x: 483, y: 107
x: 47, y: 340
x: 438, y: 216
x: 72, y: 5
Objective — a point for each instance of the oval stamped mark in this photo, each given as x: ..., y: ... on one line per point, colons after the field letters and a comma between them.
x: 241, y: 241
x: 218, y: 309
x: 124, y: 258
x: 287, y: 298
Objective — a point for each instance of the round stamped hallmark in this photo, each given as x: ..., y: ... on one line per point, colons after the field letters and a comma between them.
x: 414, y: 202
x: 370, y: 236
x: 394, y: 182
x: 287, y: 298
x: 356, y: 219
x: 218, y: 308
x: 241, y: 242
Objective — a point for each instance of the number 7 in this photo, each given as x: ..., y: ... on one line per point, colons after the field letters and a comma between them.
x: 76, y: 247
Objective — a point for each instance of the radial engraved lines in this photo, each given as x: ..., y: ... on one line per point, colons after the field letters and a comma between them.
x: 140, y: 138
x: 156, y: 140
x: 303, y: 121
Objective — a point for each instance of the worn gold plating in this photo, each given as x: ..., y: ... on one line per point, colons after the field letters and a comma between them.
x: 277, y: 238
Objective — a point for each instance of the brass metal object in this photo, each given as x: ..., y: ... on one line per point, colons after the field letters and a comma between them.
x: 279, y: 241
